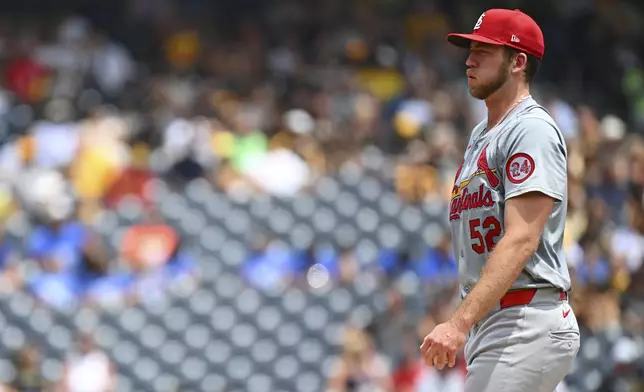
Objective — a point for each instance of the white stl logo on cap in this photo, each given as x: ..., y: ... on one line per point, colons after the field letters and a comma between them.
x: 520, y: 166
x: 479, y: 22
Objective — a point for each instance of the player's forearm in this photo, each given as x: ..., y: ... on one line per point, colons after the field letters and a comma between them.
x: 501, y: 270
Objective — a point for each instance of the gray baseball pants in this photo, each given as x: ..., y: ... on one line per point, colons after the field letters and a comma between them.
x: 526, y: 348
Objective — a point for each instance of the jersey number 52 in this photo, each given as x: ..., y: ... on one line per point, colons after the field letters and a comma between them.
x: 484, y: 236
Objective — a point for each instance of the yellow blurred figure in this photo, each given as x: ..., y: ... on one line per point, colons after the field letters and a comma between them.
x: 182, y: 49
x: 383, y: 83
x: 93, y: 172
x: 102, y: 156
x: 415, y: 182
x: 406, y: 125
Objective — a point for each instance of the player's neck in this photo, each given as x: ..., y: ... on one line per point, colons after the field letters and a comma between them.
x: 503, y: 101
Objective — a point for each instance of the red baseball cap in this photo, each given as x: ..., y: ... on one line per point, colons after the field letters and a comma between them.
x: 510, y: 28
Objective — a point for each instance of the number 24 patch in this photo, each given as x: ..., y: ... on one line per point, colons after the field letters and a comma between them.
x: 519, y: 168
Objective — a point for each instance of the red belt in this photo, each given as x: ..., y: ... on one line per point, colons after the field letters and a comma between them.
x: 524, y: 297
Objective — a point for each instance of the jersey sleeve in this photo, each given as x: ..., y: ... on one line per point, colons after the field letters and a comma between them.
x: 535, y: 160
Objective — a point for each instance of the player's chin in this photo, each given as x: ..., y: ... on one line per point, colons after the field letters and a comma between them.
x: 477, y: 92
x: 473, y: 85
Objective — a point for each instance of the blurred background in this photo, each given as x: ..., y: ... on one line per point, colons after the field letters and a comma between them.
x: 249, y: 195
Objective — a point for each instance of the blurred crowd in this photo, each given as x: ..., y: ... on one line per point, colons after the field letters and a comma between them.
x: 256, y: 97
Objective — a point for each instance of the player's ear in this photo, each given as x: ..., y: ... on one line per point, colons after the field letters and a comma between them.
x: 519, y: 62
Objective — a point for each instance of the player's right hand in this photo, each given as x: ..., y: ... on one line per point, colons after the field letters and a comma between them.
x: 439, y: 348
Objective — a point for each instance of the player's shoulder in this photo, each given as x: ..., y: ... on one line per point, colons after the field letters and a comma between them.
x: 531, y: 127
x: 538, y: 122
x: 536, y: 115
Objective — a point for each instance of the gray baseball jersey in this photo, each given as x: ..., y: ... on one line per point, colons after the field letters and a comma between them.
x: 525, y: 152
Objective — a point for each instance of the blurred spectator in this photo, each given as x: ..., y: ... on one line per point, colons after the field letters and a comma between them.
x: 88, y: 369
x: 360, y: 368
x: 102, y: 158
x: 58, y: 244
x: 25, y: 77
x: 594, y: 270
x: 409, y: 368
x: 28, y: 376
x: 438, y: 265
x: 445, y: 380
x: 627, y: 242
x: 10, y: 273
x: 388, y: 328
x: 270, y: 264
x: 152, y: 252
x: 348, y: 265
x: 415, y: 182
x: 100, y: 283
x: 112, y: 66
x: 149, y: 244
x: 280, y: 173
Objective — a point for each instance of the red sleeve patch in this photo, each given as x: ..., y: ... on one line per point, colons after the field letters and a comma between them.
x: 519, y: 168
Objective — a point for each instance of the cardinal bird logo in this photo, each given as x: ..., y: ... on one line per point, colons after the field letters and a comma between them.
x: 483, y: 166
x: 464, y: 199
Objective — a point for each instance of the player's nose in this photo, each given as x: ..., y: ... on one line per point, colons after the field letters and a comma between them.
x: 470, y: 62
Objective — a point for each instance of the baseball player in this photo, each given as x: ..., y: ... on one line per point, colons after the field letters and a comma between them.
x: 507, y: 214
